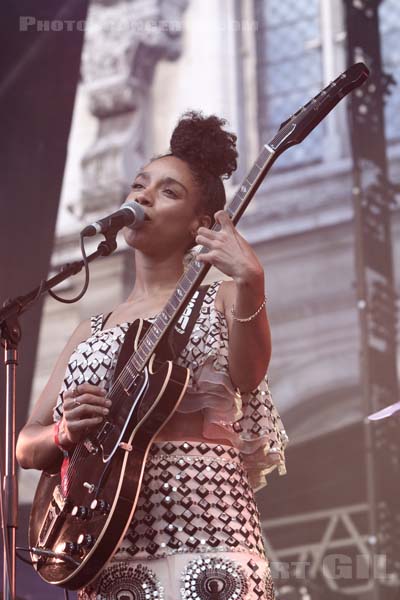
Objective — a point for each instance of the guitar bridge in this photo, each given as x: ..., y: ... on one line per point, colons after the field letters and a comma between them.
x: 58, y: 498
x: 90, y: 447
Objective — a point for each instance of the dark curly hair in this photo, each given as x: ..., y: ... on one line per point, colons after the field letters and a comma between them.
x: 210, y: 153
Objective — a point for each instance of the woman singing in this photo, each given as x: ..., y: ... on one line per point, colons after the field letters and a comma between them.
x: 204, y: 542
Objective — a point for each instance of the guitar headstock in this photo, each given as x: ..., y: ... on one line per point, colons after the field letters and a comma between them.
x: 301, y: 123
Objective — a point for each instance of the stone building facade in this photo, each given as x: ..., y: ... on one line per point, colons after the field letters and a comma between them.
x: 253, y: 62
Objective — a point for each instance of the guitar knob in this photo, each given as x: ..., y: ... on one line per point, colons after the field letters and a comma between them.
x: 101, y: 506
x: 67, y: 548
x: 81, y: 512
x: 85, y: 540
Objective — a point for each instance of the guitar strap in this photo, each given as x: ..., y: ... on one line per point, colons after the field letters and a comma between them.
x: 180, y: 334
x: 177, y: 338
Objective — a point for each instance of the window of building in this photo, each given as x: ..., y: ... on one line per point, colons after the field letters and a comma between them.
x: 290, y: 69
x: 300, y: 49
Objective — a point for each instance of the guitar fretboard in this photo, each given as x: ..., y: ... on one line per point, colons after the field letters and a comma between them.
x: 292, y: 131
x: 196, y: 270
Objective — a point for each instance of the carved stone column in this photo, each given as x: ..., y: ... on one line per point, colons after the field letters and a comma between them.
x: 124, y: 41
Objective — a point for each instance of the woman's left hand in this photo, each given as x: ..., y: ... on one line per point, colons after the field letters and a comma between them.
x: 233, y: 255
x: 229, y: 251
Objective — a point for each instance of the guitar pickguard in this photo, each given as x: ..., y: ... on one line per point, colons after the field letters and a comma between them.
x: 113, y: 439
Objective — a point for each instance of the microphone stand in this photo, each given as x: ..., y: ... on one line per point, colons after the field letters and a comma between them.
x: 10, y: 335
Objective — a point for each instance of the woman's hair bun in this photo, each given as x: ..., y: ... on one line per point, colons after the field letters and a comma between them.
x: 201, y: 142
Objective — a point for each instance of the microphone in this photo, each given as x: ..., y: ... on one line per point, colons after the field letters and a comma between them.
x: 131, y: 213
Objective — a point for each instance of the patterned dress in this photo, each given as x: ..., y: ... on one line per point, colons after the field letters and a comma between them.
x: 196, y: 532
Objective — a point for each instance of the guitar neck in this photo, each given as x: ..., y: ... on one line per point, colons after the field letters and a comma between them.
x: 196, y: 271
x: 251, y: 183
x: 291, y: 132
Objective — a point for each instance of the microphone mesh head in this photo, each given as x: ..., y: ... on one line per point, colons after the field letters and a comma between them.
x: 140, y: 215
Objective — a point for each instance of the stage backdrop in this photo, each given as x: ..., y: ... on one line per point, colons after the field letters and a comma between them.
x: 39, y: 73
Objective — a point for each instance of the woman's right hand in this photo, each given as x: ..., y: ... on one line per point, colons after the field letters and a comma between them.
x: 85, y: 407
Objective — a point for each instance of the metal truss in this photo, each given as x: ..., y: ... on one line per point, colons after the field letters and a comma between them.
x: 376, y: 295
x: 340, y: 558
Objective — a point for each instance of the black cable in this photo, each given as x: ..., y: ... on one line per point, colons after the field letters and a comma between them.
x: 85, y: 285
x: 25, y: 560
x: 53, y: 294
x: 29, y: 562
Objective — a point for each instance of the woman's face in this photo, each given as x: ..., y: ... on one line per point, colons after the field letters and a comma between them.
x: 168, y: 193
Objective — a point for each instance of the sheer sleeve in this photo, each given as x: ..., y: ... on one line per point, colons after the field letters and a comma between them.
x: 249, y: 420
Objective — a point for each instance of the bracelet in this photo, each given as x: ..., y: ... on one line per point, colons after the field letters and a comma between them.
x: 56, y: 437
x: 259, y: 309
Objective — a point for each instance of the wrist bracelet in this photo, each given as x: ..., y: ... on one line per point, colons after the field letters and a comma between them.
x: 56, y: 437
x: 259, y: 309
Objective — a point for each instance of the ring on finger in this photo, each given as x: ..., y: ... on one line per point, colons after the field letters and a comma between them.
x: 75, y: 391
x: 76, y: 401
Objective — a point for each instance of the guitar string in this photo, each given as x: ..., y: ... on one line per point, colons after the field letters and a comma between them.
x: 122, y: 382
x: 127, y: 378
x: 118, y: 386
x: 79, y: 453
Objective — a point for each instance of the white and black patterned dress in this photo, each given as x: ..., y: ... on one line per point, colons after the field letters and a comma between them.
x: 196, y: 531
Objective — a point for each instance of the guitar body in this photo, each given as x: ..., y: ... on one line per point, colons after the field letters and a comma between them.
x: 83, y: 518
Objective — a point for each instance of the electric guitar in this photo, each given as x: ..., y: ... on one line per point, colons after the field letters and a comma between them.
x: 79, y: 519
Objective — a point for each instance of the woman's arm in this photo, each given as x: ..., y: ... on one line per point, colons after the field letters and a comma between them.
x: 36, y: 448
x: 249, y: 341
